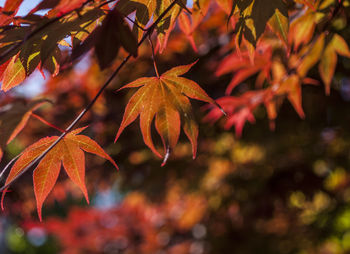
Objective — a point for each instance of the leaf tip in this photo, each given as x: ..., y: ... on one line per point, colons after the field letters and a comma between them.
x: 2, y: 199
x: 195, y: 62
x: 166, y: 157
x: 221, y: 109
x: 39, y: 214
x: 116, y: 137
x: 120, y: 88
x: 86, y: 197
x: 114, y: 164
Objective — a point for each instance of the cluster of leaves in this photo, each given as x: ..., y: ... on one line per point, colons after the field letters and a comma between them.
x: 282, y: 67
x: 284, y: 194
x: 277, y: 42
x: 140, y: 229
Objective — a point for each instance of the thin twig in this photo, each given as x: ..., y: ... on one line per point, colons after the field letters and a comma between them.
x: 335, y: 12
x: 105, y: 3
x: 89, y: 106
x: 153, y: 56
x: 293, y: 71
x: 324, y: 29
x: 135, y: 23
x: 47, y: 123
x: 39, y: 29
x: 9, y: 164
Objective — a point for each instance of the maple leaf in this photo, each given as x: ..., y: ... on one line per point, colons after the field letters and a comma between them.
x: 41, y: 49
x: 256, y: 14
x: 189, y: 23
x: 44, y: 5
x: 238, y: 119
x: 13, y: 118
x: 68, y: 152
x: 226, y: 5
x: 165, y: 99
x: 14, y: 74
x: 241, y: 64
x: 199, y: 11
x: 10, y: 9
x: 302, y: 29
x: 168, y: 22
x: 313, y: 55
x: 107, y: 39
x: 292, y: 88
x: 187, y: 28
x: 328, y: 62
x: 11, y: 6
x: 59, y: 7
x: 238, y: 108
x: 145, y: 9
x: 279, y: 24
x: 263, y: 10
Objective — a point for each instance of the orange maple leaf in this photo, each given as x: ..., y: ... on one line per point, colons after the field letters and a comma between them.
x: 243, y: 68
x: 165, y: 98
x: 13, y: 118
x: 69, y: 152
x: 329, y: 59
x: 144, y: 11
x: 13, y: 75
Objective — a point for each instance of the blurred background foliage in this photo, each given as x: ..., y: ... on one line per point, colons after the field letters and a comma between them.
x: 283, y: 191
x: 286, y: 191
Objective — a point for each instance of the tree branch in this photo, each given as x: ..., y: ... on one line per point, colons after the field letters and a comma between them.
x: 37, y: 30
x: 89, y: 106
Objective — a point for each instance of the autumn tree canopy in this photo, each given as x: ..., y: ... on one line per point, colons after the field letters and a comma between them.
x: 107, y: 64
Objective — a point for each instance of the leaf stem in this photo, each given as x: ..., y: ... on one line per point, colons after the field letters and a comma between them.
x: 153, y: 56
x: 47, y: 123
x: 135, y: 23
x: 37, y: 30
x: 9, y: 164
x: 166, y: 156
x: 334, y: 13
x: 324, y: 29
x: 92, y: 102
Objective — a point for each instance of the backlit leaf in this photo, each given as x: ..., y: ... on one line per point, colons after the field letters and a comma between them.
x: 279, y: 23
x: 68, y: 152
x: 145, y: 9
x: 329, y: 59
x: 263, y: 10
x: 13, y: 118
x: 165, y: 99
x: 45, y: 177
x: 312, y: 57
x: 12, y: 5
x: 327, y: 66
x: 40, y: 49
x: 302, y: 29
x: 13, y: 75
x: 292, y: 87
x: 107, y: 39
x: 255, y: 15
x: 340, y: 45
